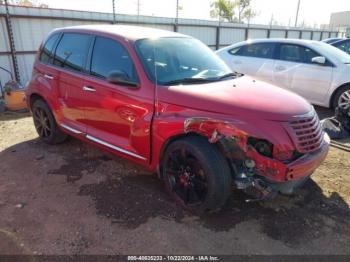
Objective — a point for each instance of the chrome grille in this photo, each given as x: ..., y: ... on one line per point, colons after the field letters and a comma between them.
x: 307, y: 132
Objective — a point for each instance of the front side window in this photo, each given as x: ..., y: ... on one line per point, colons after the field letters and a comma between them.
x: 109, y: 56
x: 259, y: 50
x: 309, y: 54
x: 72, y: 51
x: 47, y: 52
x: 291, y: 53
x: 171, y: 60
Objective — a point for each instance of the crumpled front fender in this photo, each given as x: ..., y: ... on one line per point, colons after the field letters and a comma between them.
x: 241, y: 130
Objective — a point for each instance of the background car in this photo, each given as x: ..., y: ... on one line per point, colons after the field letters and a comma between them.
x: 317, y: 71
x: 343, y: 45
x: 331, y: 40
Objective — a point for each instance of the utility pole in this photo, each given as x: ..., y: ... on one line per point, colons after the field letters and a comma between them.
x: 177, y: 11
x: 114, y: 17
x: 11, y: 42
x: 176, y: 16
x: 138, y: 7
x: 297, y: 14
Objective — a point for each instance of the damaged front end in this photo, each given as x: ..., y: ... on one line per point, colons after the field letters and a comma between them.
x: 263, y: 164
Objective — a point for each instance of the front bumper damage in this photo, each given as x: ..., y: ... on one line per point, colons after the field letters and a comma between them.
x: 269, y: 176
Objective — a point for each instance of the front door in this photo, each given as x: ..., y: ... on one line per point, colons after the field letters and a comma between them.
x: 295, y: 71
x: 117, y: 115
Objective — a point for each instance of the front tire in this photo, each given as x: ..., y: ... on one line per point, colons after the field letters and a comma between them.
x: 196, y: 174
x: 45, y: 124
x: 342, y: 98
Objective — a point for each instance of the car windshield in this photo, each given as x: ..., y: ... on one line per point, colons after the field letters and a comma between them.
x: 180, y: 60
x: 331, y: 52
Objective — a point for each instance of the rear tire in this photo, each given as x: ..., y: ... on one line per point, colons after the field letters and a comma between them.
x: 196, y: 174
x: 45, y: 124
x: 342, y: 98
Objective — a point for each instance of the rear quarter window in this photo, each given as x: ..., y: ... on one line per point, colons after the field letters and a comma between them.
x: 47, y: 54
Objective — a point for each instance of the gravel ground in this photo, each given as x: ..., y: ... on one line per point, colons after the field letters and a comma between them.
x: 75, y: 199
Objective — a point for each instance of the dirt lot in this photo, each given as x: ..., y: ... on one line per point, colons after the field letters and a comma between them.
x: 74, y: 198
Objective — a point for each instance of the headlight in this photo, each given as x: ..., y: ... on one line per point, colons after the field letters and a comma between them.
x: 263, y: 147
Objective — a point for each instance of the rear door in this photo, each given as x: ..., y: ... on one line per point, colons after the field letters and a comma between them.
x: 295, y: 71
x: 117, y: 115
x: 253, y: 59
x: 70, y: 60
x: 45, y: 75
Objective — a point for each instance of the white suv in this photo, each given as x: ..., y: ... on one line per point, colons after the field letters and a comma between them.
x: 317, y: 71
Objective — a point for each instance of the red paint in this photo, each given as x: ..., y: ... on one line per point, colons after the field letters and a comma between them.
x: 126, y: 118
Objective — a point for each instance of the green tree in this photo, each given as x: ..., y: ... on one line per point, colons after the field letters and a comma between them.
x: 232, y: 10
x: 223, y: 9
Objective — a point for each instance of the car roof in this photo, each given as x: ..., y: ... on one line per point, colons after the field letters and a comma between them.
x: 332, y: 38
x: 281, y: 40
x: 270, y: 40
x: 126, y: 31
x: 341, y: 41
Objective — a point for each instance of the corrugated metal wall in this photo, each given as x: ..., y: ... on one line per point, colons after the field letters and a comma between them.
x: 306, y: 35
x: 277, y: 34
x: 257, y: 33
x: 5, y: 59
x: 31, y: 25
x: 206, y: 34
x: 230, y: 36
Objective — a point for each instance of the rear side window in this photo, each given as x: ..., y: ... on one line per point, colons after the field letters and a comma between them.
x: 72, y: 51
x: 235, y: 50
x: 109, y: 55
x: 47, y: 50
x: 259, y: 50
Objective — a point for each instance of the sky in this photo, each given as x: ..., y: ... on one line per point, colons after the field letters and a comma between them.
x: 312, y: 12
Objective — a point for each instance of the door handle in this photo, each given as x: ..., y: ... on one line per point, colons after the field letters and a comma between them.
x: 280, y: 68
x: 89, y: 89
x: 237, y: 62
x: 48, y: 76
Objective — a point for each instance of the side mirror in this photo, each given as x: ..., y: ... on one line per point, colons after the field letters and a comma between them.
x: 120, y: 77
x: 319, y: 60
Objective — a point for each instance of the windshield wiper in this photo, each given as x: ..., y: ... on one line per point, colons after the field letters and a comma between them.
x: 188, y: 81
x: 234, y: 74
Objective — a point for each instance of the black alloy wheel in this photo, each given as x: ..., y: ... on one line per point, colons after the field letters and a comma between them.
x: 45, y: 123
x: 196, y: 174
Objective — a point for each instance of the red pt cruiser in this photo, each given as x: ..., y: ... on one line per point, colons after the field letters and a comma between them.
x: 166, y: 101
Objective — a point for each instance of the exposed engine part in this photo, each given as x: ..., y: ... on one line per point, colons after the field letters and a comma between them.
x: 254, y: 187
x: 242, y: 181
x: 263, y: 147
x: 249, y: 163
x: 338, y: 126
